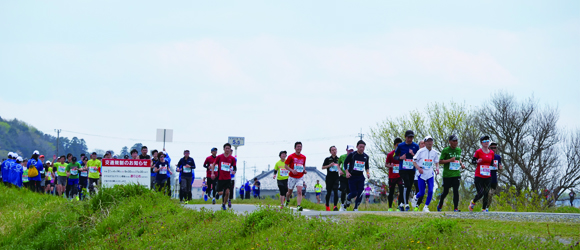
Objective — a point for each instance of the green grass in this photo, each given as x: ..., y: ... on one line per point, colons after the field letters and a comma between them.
x: 131, y: 217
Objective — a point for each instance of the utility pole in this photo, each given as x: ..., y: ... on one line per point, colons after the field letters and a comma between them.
x: 254, y: 171
x: 361, y: 135
x: 268, y: 167
x: 244, y: 174
x: 57, y: 139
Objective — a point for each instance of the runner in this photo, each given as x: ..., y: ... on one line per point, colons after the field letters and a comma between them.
x: 94, y: 166
x: 368, y: 193
x: 49, y: 176
x: 211, y: 184
x: 317, y: 191
x: 358, y: 162
x: 295, y: 163
x: 416, y: 181
x: 425, y: 160
x: 61, y: 179
x: 450, y: 158
x: 204, y: 188
x: 344, y: 188
x: 233, y: 175
x: 394, y: 177
x: 83, y: 176
x: 185, y: 168
x: 281, y: 176
x: 224, y: 162
x: 162, y: 182
x: 42, y: 174
x: 25, y: 180
x: 333, y: 171
x: 494, y: 167
x: 72, y: 173
x: 404, y: 154
x: 35, y: 168
x: 483, y: 157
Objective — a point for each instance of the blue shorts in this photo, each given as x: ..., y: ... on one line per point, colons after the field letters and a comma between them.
x: 73, y: 181
x: 317, y: 194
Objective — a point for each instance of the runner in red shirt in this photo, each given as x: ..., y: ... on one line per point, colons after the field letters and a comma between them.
x: 211, y: 184
x: 483, y: 157
x: 295, y: 163
x: 394, y: 177
x: 224, y: 162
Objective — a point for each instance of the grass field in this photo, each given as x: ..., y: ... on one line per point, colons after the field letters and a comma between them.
x: 131, y: 217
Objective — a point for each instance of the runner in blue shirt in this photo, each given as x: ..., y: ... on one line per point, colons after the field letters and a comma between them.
x: 404, y: 154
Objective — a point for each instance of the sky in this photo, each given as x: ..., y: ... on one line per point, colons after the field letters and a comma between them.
x: 274, y: 72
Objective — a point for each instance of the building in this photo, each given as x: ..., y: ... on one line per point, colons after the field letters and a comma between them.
x: 270, y: 186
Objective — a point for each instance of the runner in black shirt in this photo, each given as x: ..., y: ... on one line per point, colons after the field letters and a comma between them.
x: 333, y: 172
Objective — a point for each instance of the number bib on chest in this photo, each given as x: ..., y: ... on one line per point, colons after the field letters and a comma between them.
x: 299, y: 168
x: 396, y: 169
x: 408, y: 164
x: 215, y: 168
x: 61, y: 169
x: 93, y: 169
x: 317, y: 190
x: 284, y: 172
x: 25, y: 178
x: 186, y: 170
x: 225, y: 166
x: 163, y: 170
x: 359, y: 165
x: 42, y: 171
x: 427, y: 163
x: 494, y: 166
x: 333, y: 168
x: 74, y: 172
x: 484, y: 170
x: 84, y: 173
x: 454, y: 165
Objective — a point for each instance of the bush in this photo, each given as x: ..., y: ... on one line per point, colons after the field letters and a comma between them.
x: 107, y: 197
x: 442, y: 226
x: 567, y: 210
x: 265, y: 217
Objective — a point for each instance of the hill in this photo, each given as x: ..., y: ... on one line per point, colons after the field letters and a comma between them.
x: 22, y: 138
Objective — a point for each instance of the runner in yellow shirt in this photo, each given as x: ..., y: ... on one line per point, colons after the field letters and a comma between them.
x: 94, y: 166
x: 281, y: 175
x: 318, y: 190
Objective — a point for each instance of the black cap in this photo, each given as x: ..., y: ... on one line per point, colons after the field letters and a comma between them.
x: 214, y: 149
x: 493, y: 143
x: 453, y: 138
x: 398, y: 140
x: 125, y: 157
x: 409, y: 133
x: 483, y: 138
x: 187, y: 150
x: 94, y: 153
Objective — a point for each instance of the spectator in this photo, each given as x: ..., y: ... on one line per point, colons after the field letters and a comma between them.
x: 256, y: 188
x: 304, y: 189
x: 248, y: 189
x: 572, y: 196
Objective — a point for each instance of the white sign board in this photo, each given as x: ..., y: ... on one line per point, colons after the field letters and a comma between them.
x: 164, y: 135
x: 236, y: 141
x: 125, y: 171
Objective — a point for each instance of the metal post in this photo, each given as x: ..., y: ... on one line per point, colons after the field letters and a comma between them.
x: 57, y: 139
x: 244, y: 174
x: 164, y: 131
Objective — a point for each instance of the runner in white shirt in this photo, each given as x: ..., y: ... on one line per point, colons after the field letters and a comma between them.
x: 426, y: 160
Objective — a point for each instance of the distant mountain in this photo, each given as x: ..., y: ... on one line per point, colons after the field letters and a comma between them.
x: 17, y: 136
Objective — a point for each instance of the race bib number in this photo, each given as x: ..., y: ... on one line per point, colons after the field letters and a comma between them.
x: 484, y: 170
x: 333, y: 168
x: 317, y: 189
x: 396, y: 169
x: 427, y: 163
x: 74, y: 172
x: 25, y: 178
x: 408, y: 164
x: 93, y: 169
x: 284, y: 172
x: 299, y: 168
x: 163, y: 170
x: 454, y: 165
x: 359, y: 165
x: 61, y: 169
x: 84, y: 173
x: 186, y: 169
x: 225, y: 166
x: 215, y: 169
x: 494, y: 167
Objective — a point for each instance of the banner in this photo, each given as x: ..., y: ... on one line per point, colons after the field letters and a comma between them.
x: 125, y: 171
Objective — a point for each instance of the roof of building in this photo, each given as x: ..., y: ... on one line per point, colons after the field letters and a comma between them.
x: 269, y: 183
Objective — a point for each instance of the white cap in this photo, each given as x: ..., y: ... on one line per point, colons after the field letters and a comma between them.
x: 10, y: 154
x: 19, y: 159
x: 165, y: 153
x: 428, y: 138
x: 36, y: 152
x: 349, y: 147
x: 48, y: 162
x: 15, y: 155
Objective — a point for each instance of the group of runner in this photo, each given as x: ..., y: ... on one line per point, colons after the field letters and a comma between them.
x: 408, y: 164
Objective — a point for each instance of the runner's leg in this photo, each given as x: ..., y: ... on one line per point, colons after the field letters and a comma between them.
x: 456, y: 183
x: 430, y: 191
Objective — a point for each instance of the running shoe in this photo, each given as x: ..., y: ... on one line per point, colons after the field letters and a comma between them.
x: 438, y: 208
x: 347, y: 203
x: 342, y: 208
x: 456, y: 210
x: 213, y: 201
x: 335, y: 209
x: 407, y: 208
x: 186, y: 202
x: 355, y: 210
x: 391, y: 210
x: 223, y: 206
x: 205, y: 197
x: 426, y: 209
x: 471, y: 206
x: 229, y: 203
x: 327, y: 208
x: 281, y: 207
x: 416, y: 209
x: 299, y: 208
x: 401, y: 207
x: 287, y: 202
x: 77, y: 198
x: 485, y: 210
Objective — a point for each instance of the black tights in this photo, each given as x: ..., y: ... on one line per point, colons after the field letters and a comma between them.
x: 482, y: 185
x: 448, y: 183
x: 392, y: 193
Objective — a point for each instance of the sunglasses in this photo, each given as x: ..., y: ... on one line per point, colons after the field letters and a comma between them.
x: 493, y: 147
x: 484, y: 141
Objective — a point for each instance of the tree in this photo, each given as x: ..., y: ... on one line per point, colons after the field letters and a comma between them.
x: 124, y: 151
x: 137, y: 146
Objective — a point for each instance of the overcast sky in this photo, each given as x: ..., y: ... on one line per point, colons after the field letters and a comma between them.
x: 275, y: 72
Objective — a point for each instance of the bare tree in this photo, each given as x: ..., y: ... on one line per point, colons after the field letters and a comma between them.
x: 568, y: 174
